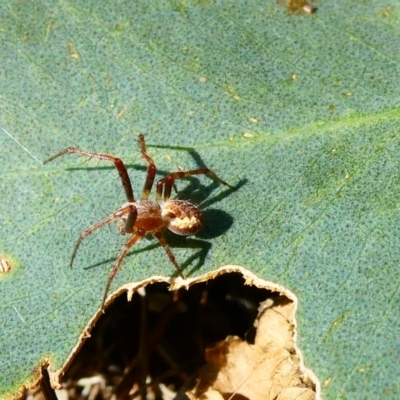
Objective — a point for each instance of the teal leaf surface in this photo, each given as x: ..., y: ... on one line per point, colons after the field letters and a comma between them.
x: 299, y: 112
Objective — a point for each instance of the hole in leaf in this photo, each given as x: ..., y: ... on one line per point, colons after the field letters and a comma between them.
x: 229, y: 335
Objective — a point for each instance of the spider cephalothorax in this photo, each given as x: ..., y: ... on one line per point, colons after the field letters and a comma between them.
x: 142, y: 217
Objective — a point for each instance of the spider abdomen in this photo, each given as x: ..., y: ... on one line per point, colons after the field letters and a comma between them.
x: 182, y: 217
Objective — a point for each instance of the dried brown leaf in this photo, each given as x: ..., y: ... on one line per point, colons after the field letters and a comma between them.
x: 271, y: 368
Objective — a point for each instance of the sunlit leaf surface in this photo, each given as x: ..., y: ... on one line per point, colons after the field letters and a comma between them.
x: 299, y: 112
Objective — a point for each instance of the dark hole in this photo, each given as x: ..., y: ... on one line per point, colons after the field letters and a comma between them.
x: 161, y: 337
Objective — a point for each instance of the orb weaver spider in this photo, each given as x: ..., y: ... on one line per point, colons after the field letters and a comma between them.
x: 142, y: 217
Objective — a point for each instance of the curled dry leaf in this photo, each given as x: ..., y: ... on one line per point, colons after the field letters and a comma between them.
x: 271, y: 368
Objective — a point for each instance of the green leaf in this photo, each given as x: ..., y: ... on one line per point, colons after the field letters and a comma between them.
x: 300, y: 112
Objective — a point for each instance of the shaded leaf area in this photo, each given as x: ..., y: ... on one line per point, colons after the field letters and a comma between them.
x: 299, y: 113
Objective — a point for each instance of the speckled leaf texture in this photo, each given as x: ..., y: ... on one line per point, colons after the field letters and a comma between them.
x: 300, y: 112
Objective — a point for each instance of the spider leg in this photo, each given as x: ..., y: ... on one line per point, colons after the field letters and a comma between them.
x: 151, y: 169
x: 164, y: 185
x: 118, y: 262
x: 123, y: 173
x: 164, y: 244
x: 127, y: 209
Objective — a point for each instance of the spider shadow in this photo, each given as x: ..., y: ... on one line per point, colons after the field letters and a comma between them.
x: 196, y: 192
x: 174, y: 242
x: 196, y: 260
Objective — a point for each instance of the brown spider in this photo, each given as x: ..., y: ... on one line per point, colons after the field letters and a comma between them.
x: 144, y: 216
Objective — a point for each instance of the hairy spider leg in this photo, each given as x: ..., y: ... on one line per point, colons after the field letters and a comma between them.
x: 161, y: 239
x: 139, y: 235
x: 123, y: 173
x: 165, y: 185
x: 127, y: 209
x: 151, y: 169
